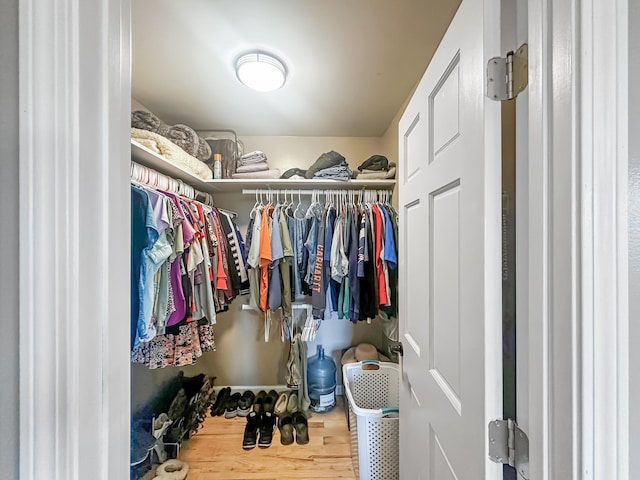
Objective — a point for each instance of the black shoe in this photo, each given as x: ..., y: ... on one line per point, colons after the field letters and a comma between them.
x: 270, y: 401
x: 258, y: 404
x: 251, y: 431
x: 267, y: 426
x: 231, y: 407
x: 245, y: 403
x: 218, y: 407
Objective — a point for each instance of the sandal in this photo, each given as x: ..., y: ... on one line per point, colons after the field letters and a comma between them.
x: 302, y: 428
x: 285, y: 425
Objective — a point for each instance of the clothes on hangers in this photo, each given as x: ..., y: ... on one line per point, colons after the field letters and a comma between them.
x: 342, y: 253
x: 186, y: 266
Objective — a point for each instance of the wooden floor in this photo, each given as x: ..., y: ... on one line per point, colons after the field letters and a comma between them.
x: 215, y: 452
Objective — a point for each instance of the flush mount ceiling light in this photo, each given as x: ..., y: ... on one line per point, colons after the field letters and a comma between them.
x: 261, y: 71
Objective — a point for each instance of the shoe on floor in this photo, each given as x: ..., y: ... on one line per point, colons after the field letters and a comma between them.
x: 231, y: 408
x: 251, y: 431
x: 292, y: 403
x: 218, y: 406
x: 258, y: 404
x: 245, y: 403
x: 280, y: 407
x: 301, y: 427
x: 270, y: 401
x: 267, y: 426
x: 285, y: 425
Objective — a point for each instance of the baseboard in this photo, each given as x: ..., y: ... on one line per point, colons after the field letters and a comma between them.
x: 266, y: 388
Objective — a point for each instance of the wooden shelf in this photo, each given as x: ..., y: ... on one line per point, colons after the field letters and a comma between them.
x: 148, y: 158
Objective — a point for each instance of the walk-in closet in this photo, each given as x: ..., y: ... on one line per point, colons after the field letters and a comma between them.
x: 265, y: 233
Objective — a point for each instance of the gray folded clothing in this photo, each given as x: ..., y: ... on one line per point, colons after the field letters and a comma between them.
x: 341, y: 172
x: 252, y: 157
x: 377, y: 175
x: 145, y: 121
x: 253, y: 167
x: 326, y: 160
x: 375, y: 162
x: 273, y: 173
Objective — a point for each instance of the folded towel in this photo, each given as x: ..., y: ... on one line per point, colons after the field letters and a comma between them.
x: 253, y: 167
x: 252, y: 157
x: 273, y: 173
x: 171, y: 153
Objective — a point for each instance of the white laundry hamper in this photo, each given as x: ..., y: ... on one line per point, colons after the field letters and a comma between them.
x: 374, y: 398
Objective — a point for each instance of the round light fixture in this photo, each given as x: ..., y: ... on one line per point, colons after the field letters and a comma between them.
x: 261, y: 71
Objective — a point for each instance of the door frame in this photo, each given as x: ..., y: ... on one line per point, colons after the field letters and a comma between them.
x: 576, y: 292
x: 74, y: 99
x: 74, y: 63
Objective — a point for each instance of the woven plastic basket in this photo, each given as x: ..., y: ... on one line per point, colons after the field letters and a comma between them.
x: 373, y: 397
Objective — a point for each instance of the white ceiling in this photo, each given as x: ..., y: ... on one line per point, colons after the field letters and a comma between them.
x: 351, y: 63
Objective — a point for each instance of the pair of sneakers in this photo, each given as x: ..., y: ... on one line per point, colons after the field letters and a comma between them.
x: 232, y: 405
x: 261, y: 422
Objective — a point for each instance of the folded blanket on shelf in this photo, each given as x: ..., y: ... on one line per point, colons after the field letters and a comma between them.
x: 182, y: 135
x: 253, y: 167
x: 171, y: 153
x: 185, y: 137
x: 252, y: 157
x: 379, y: 175
x: 273, y: 173
x: 334, y: 173
x: 145, y: 121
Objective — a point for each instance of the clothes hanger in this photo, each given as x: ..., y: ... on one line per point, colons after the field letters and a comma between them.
x: 298, y: 208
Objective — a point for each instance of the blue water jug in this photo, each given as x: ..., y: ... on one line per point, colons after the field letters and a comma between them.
x: 321, y: 380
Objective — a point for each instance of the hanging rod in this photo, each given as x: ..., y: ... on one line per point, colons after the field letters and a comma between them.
x: 294, y: 306
x: 303, y: 191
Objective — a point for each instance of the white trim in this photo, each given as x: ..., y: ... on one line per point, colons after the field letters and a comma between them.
x: 552, y: 284
x: 605, y: 318
x: 74, y: 224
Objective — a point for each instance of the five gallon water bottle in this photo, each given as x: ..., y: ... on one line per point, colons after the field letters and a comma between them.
x: 321, y: 379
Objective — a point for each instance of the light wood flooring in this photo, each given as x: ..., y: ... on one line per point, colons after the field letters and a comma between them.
x: 215, y: 452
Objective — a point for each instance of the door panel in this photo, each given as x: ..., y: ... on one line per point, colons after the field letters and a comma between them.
x: 450, y: 257
x: 444, y: 324
x: 444, y: 106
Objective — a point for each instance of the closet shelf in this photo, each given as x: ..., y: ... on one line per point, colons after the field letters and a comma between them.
x: 142, y: 155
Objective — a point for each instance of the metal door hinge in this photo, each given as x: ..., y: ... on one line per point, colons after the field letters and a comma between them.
x: 508, y: 444
x: 508, y: 76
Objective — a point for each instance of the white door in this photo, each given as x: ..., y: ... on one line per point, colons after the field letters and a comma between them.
x: 450, y: 256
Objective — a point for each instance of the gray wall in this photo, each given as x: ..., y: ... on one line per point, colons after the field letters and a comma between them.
x: 634, y: 235
x: 9, y: 417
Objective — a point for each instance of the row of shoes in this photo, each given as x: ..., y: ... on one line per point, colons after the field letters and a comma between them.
x: 269, y: 409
